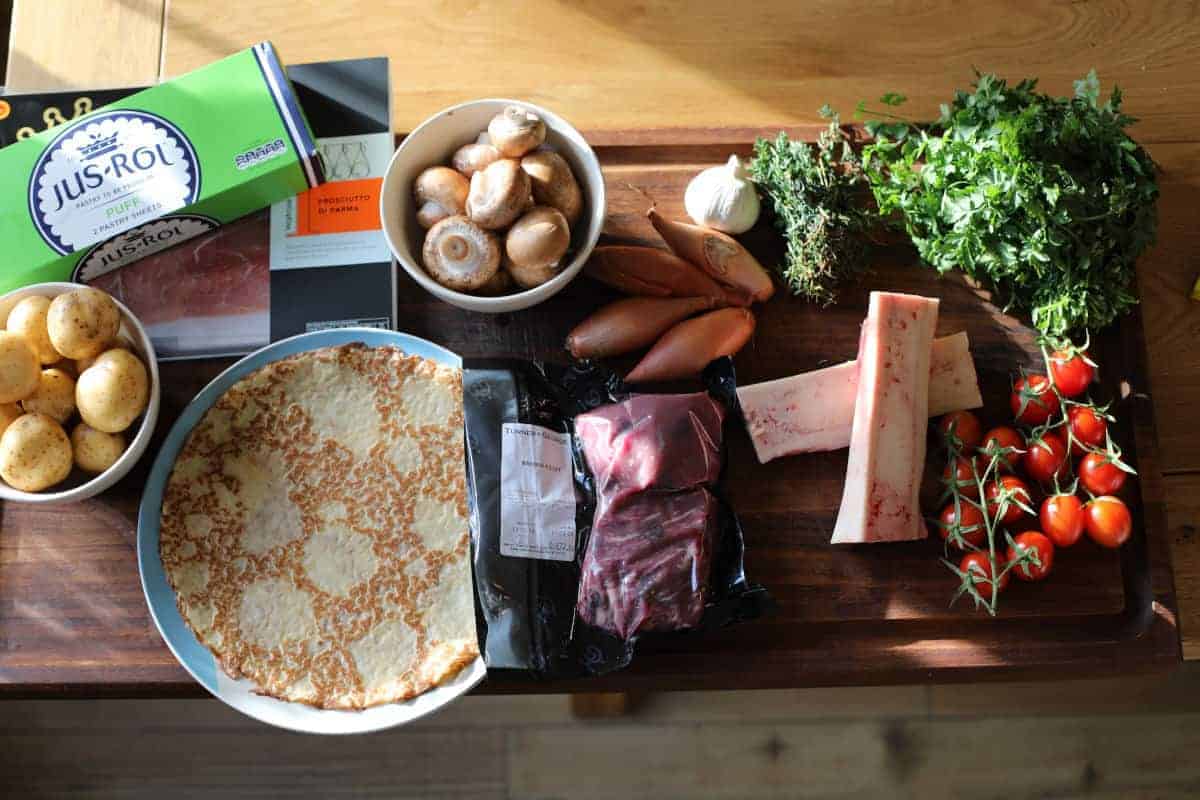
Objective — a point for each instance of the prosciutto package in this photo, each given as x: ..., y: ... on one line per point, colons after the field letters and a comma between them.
x: 210, y: 295
x: 657, y: 549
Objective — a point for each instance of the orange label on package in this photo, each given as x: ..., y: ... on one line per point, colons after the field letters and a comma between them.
x: 340, y: 207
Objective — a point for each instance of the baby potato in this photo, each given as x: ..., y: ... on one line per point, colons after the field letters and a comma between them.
x: 112, y: 392
x: 28, y: 318
x: 68, y: 366
x: 54, y: 397
x: 83, y: 322
x: 19, y: 368
x: 8, y: 413
x: 95, y: 451
x: 83, y: 363
x: 35, y: 453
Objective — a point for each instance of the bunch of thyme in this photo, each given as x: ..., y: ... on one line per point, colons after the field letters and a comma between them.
x: 816, y: 192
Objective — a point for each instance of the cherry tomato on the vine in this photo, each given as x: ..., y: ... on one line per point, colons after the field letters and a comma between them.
x: 1033, y: 400
x: 1108, y: 521
x: 1087, y: 427
x: 1005, y: 436
x: 1062, y: 519
x: 966, y: 427
x: 979, y: 567
x: 1071, y: 373
x: 970, y: 523
x: 1032, y: 540
x: 1099, y: 475
x: 963, y: 477
x: 1018, y: 492
x: 1045, y: 457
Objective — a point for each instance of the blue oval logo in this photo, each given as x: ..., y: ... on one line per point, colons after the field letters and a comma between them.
x: 107, y: 173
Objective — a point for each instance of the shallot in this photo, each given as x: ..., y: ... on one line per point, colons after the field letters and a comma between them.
x: 648, y: 271
x: 718, y: 254
x: 686, y: 349
x: 631, y: 324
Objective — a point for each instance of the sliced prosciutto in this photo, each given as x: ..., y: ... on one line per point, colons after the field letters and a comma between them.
x: 891, y: 409
x: 812, y: 412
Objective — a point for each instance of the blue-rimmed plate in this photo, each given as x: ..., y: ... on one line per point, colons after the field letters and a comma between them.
x: 194, y: 656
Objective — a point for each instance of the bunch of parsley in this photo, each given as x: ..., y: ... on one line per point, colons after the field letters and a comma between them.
x: 815, y: 193
x: 1046, y: 199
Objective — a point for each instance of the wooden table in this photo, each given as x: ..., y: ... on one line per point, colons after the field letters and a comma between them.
x: 609, y: 66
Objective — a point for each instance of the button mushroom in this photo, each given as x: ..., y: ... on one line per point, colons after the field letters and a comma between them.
x: 470, y: 158
x: 535, y: 245
x: 498, y: 194
x: 460, y: 255
x: 440, y: 192
x: 553, y: 183
x: 498, y: 284
x: 515, y: 131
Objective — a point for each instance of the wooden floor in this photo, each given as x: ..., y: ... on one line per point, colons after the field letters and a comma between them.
x: 1130, y: 738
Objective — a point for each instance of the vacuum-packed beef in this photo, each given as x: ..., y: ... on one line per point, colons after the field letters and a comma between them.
x: 647, y: 563
x: 653, y: 442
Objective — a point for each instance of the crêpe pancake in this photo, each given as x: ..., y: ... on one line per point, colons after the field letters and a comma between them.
x: 314, y: 528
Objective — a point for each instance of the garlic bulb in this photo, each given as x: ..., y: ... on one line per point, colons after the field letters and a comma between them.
x: 723, y: 198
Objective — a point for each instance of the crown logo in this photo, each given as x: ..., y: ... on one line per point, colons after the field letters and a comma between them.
x: 98, y: 146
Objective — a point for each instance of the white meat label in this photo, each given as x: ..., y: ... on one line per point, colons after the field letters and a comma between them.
x: 537, y: 493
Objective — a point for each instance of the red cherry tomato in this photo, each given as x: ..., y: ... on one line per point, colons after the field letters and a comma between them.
x: 1107, y: 521
x: 1045, y: 458
x: 970, y: 523
x: 1036, y: 541
x: 1062, y: 519
x: 1038, y: 398
x: 1071, y: 373
x: 963, y: 476
x: 1005, y: 436
x: 1087, y: 427
x: 979, y: 568
x: 1019, y: 492
x: 966, y: 426
x: 1099, y: 475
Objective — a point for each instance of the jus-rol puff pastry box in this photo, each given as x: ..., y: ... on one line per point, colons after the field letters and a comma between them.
x: 153, y: 169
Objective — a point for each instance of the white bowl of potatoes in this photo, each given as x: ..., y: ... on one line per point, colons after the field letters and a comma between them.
x: 79, y: 393
x: 493, y: 205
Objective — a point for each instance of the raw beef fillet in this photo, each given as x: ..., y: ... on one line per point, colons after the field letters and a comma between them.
x: 647, y: 563
x: 653, y: 442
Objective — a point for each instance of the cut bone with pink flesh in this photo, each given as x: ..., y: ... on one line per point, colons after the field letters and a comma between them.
x: 887, y: 439
x: 813, y: 412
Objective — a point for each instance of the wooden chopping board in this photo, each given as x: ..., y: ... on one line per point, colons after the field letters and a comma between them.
x: 873, y: 613
x: 72, y: 617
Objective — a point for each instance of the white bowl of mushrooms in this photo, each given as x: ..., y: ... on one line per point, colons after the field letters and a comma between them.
x: 493, y: 205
